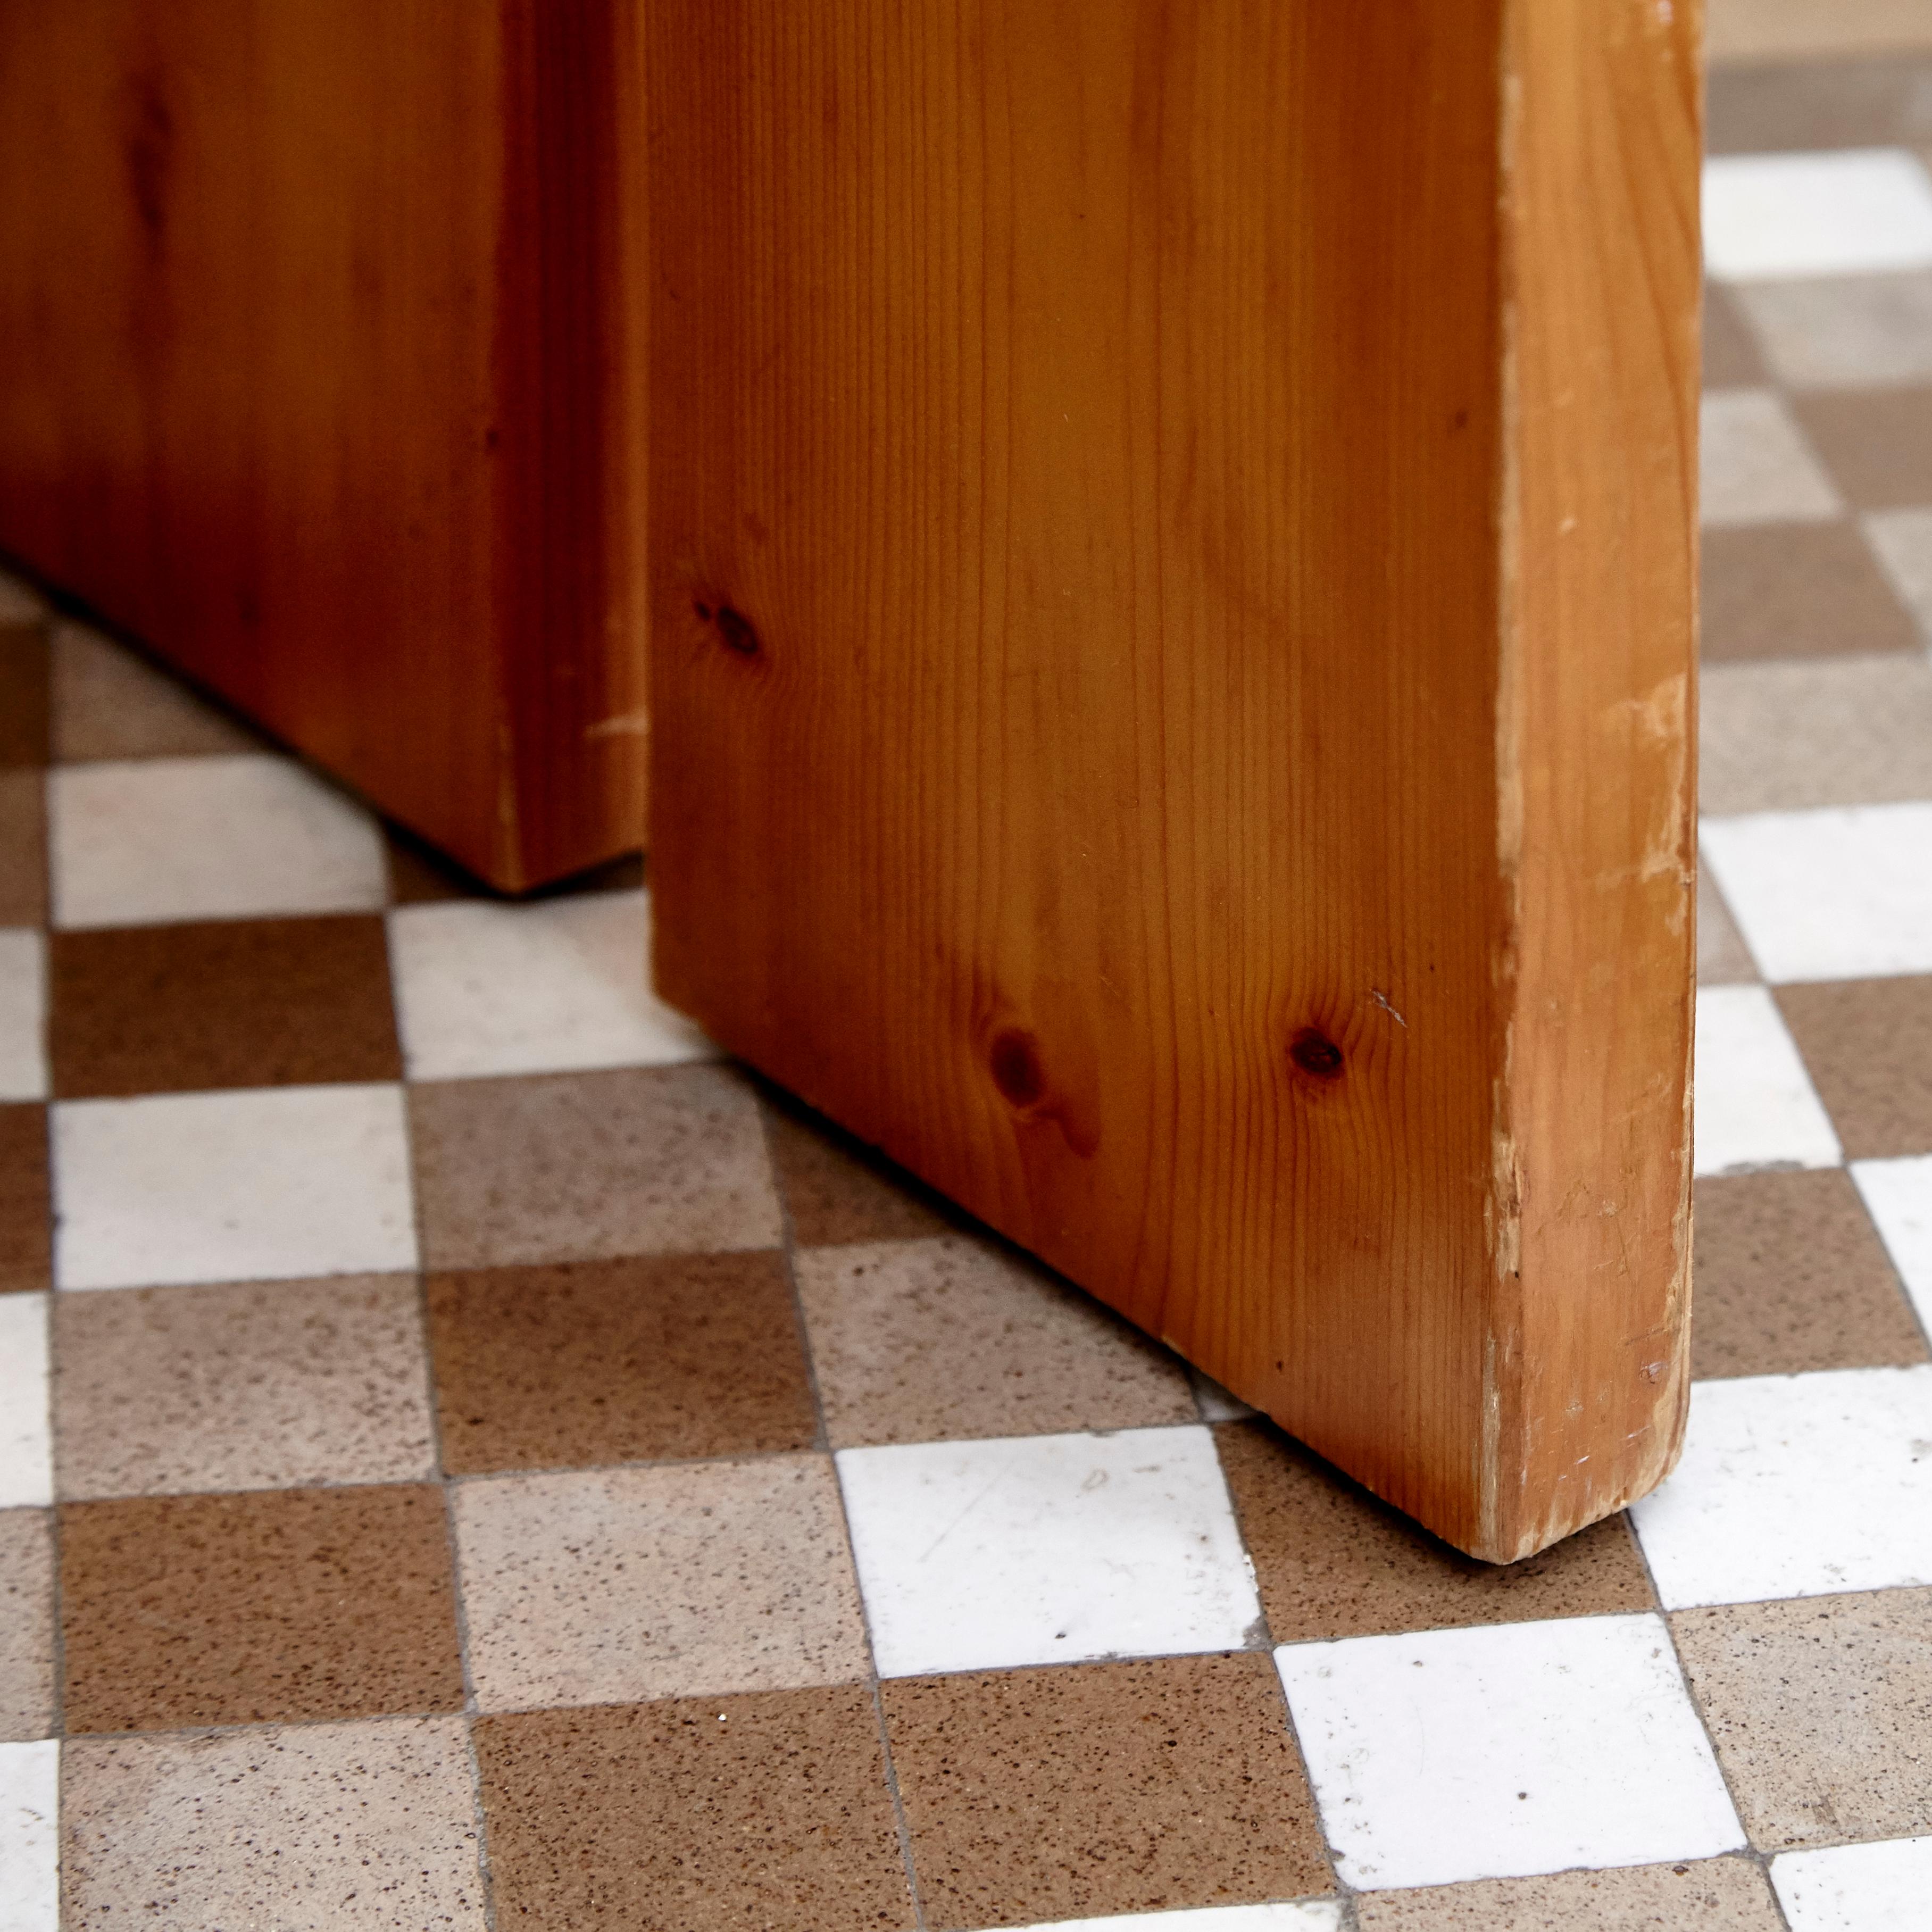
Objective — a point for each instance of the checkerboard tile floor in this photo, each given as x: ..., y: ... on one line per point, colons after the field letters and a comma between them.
x: 468, y: 1456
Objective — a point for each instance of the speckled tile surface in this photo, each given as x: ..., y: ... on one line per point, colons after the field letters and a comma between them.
x: 650, y: 1358
x: 1332, y: 1561
x: 261, y: 1608
x: 710, y: 1814
x: 468, y: 1458
x: 1032, y: 1796
x: 259, y: 1385
x: 1821, y: 1710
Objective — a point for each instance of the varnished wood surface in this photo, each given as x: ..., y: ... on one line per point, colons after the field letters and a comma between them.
x: 1170, y: 552
x: 315, y: 374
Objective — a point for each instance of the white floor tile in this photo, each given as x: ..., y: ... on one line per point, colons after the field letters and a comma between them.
x: 1795, y: 1486
x: 1774, y: 218
x: 265, y: 1183
x: 30, y: 1838
x: 1309, y: 1916
x: 1898, y: 1196
x: 1755, y: 466
x: 1046, y: 1549
x: 1756, y: 1106
x: 547, y: 987
x: 26, y: 1455
x: 1505, y: 1751
x: 23, y: 1015
x: 1841, y: 894
x: 1882, y: 1887
x: 148, y: 840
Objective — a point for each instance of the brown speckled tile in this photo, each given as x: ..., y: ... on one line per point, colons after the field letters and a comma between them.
x: 1708, y: 1895
x: 1821, y: 1711
x: 229, y: 1003
x: 580, y: 1166
x: 1791, y: 1276
x: 653, y: 1358
x: 1722, y: 959
x: 23, y: 848
x: 1758, y: 107
x: 1785, y: 590
x: 364, y: 1827
x: 618, y: 1584
x: 1877, y: 443
x: 933, y: 1340
x: 1332, y: 1561
x: 261, y: 1385
x: 836, y: 1189
x: 1079, y: 1791
x: 1867, y: 1044
x: 26, y: 1220
x: 1731, y: 358
x: 278, y: 1605
x: 109, y: 702
x: 722, y: 1814
x: 24, y: 732
x: 26, y: 1624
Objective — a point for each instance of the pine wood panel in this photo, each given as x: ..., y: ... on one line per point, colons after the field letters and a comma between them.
x: 1171, y: 563
x: 316, y: 374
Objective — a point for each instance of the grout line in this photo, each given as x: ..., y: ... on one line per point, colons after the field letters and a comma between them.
x: 821, y: 1441
x: 1344, y: 1894
x: 459, y: 1600
x: 1749, y: 1850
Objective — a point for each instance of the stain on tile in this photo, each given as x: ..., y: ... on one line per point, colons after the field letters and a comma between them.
x: 1729, y: 1894
x: 614, y: 1585
x: 26, y: 1624
x: 710, y: 1815
x: 23, y: 849
x: 921, y: 1341
x: 650, y: 1357
x: 1821, y: 1710
x: 109, y: 702
x: 1084, y: 1790
x: 1722, y: 958
x: 1731, y: 357
x: 261, y: 1385
x: 1791, y: 1276
x: 583, y: 1166
x: 1868, y: 1045
x: 228, y: 1003
x: 24, y: 734
x: 274, y: 1606
x: 837, y: 1190
x: 1785, y: 590
x: 1332, y: 1561
x: 1877, y: 443
x: 338, y: 1828
x: 26, y: 1217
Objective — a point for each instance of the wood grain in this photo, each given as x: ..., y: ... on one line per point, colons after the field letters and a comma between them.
x: 1171, y: 609
x: 317, y: 374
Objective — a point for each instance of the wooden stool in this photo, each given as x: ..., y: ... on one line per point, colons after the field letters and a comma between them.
x: 1171, y: 544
